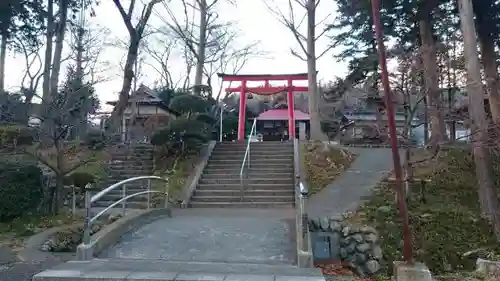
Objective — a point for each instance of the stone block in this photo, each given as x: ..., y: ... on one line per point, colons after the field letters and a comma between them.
x: 487, y: 266
x: 199, y: 277
x: 411, y: 272
x: 299, y: 278
x: 85, y: 252
x: 151, y: 276
x: 249, y: 277
x: 55, y: 275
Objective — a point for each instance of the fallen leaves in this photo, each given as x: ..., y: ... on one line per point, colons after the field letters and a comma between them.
x: 337, y: 268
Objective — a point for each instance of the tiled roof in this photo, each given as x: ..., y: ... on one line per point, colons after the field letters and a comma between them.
x: 282, y: 114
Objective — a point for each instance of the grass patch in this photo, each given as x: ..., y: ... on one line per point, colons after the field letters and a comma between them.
x: 177, y: 171
x: 448, y: 231
x: 12, y: 233
x: 323, y: 163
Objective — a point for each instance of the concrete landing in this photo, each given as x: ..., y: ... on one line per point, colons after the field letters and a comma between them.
x: 354, y: 185
x: 264, y: 236
x: 156, y: 270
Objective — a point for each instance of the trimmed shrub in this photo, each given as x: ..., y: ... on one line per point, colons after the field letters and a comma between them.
x: 15, y: 135
x: 21, y: 190
x: 79, y: 179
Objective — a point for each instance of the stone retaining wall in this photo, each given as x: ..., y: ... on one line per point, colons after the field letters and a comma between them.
x: 357, y: 246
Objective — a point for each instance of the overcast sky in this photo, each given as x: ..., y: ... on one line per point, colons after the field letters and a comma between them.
x: 253, y: 19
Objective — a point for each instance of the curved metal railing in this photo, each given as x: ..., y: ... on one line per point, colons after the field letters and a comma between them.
x: 89, y: 200
x: 247, y: 157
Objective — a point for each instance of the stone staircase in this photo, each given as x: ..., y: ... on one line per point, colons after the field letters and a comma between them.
x: 128, y: 161
x: 269, y: 181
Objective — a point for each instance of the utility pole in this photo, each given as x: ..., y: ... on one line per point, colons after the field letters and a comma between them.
x: 398, y: 173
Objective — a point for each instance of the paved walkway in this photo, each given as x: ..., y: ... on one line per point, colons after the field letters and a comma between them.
x: 214, y: 235
x: 349, y: 190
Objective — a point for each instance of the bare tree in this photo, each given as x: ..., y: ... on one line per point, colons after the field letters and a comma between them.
x: 232, y: 60
x: 136, y: 34
x: 161, y: 55
x: 87, y: 45
x: 307, y: 44
x: 486, y: 189
x: 209, y: 33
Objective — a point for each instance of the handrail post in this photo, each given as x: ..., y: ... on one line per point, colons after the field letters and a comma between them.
x: 241, y: 188
x: 124, y: 194
x: 149, y: 193
x: 304, y: 192
x: 86, y: 221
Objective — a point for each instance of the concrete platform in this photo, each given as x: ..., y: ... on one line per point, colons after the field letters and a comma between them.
x: 159, y: 270
x: 213, y: 235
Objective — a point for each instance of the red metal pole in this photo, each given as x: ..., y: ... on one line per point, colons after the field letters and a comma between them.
x: 241, y: 116
x: 407, y: 248
x: 291, y: 111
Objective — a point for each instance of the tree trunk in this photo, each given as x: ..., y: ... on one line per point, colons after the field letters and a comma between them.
x: 312, y: 76
x: 489, y: 59
x: 128, y: 76
x: 59, y: 44
x: 486, y: 189
x: 48, y: 54
x: 434, y: 103
x: 3, y: 56
x: 202, y: 37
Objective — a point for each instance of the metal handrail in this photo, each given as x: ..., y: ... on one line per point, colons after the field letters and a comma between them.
x: 94, y: 218
x: 89, y: 219
x: 247, y: 156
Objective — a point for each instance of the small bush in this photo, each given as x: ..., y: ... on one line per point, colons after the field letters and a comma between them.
x: 15, y: 135
x: 21, y: 189
x: 95, y: 139
x: 80, y: 179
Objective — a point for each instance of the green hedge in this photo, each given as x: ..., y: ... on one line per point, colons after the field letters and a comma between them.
x: 21, y: 190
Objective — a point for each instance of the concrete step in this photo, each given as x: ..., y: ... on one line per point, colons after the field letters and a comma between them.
x: 249, y: 180
x: 117, y: 196
x: 260, y: 169
x: 263, y: 174
x: 263, y: 161
x: 253, y: 164
x: 246, y: 187
x: 129, y: 204
x: 246, y: 198
x: 253, y: 157
x: 194, y: 204
x: 132, y: 165
x: 162, y: 270
x: 237, y: 192
x: 132, y: 158
x: 265, y: 143
x: 118, y: 176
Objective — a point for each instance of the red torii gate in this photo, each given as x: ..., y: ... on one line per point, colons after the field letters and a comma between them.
x: 266, y: 89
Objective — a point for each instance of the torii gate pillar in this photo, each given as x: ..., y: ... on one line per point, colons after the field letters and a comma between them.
x: 242, y: 115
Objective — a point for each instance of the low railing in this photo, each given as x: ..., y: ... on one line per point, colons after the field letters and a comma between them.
x: 246, y: 158
x: 304, y: 250
x: 89, y: 200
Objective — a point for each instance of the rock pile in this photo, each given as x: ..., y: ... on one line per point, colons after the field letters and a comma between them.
x: 358, y: 245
